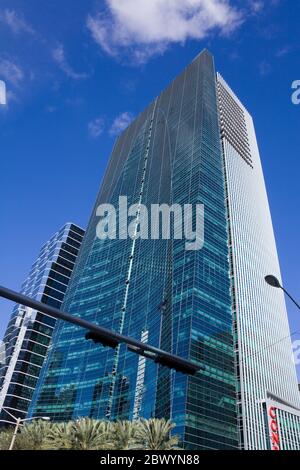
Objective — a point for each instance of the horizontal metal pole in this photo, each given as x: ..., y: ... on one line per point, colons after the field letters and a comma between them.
x: 9, y: 422
x: 176, y: 362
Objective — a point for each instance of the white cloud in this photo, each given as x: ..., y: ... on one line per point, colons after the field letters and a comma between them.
x: 2, y: 93
x: 96, y: 127
x: 58, y: 55
x: 120, y: 123
x: 147, y: 27
x: 11, y: 72
x: 10, y: 98
x: 15, y: 22
x: 257, y: 6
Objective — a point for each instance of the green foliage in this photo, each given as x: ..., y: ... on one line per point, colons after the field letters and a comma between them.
x: 91, y: 434
x: 32, y: 435
x: 59, y: 437
x: 122, y: 435
x: 155, y: 434
x: 5, y: 439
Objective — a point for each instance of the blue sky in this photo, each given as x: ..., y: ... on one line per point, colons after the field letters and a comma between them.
x: 76, y: 72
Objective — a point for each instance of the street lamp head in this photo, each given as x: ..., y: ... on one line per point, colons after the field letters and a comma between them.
x: 45, y: 418
x: 273, y: 281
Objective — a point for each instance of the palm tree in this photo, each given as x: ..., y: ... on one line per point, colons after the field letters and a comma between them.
x: 59, y: 437
x: 5, y: 438
x: 154, y: 434
x: 123, y: 435
x: 33, y: 435
x: 30, y: 437
x: 90, y: 434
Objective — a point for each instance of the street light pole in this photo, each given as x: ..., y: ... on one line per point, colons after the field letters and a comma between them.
x: 19, y: 422
x: 12, y: 442
x: 274, y: 282
x: 290, y: 297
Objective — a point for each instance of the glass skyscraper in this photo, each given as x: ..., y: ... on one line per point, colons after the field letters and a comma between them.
x: 29, y: 332
x: 194, y: 144
x: 156, y: 290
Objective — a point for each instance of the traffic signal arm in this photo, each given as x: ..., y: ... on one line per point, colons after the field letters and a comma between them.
x: 106, y: 337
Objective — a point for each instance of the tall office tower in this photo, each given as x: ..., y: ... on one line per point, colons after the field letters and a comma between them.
x: 29, y: 332
x: 155, y: 290
x: 195, y: 143
x: 268, y: 396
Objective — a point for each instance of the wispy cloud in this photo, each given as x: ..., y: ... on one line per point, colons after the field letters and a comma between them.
x: 10, y: 98
x: 264, y: 68
x: 51, y: 109
x: 59, y: 57
x: 2, y: 93
x: 146, y: 27
x: 256, y: 6
x: 120, y: 123
x: 11, y: 72
x: 96, y: 127
x: 128, y: 86
x: 16, y: 22
x: 283, y: 51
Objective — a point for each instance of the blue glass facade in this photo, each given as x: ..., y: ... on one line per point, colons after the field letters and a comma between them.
x: 155, y: 290
x: 29, y: 332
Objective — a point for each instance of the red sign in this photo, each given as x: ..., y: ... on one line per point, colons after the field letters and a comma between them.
x: 274, y: 428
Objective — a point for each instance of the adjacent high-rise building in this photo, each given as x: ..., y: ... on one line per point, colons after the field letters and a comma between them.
x: 29, y: 332
x: 265, y: 368
x: 194, y: 144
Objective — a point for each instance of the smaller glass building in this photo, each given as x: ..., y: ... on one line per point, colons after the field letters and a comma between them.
x: 29, y: 332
